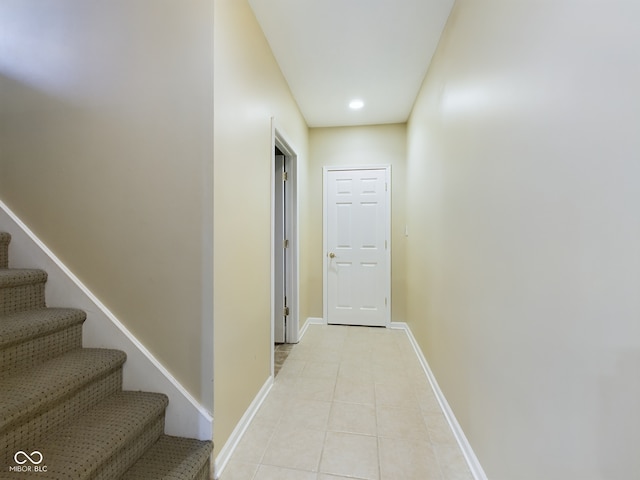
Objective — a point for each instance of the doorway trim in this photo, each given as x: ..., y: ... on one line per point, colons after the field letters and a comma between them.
x: 280, y: 139
x: 325, y: 251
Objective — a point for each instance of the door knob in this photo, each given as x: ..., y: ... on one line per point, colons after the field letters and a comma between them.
x: 332, y: 255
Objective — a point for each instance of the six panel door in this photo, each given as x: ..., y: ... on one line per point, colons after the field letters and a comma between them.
x: 357, y: 270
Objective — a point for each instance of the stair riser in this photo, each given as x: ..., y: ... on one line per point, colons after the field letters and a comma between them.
x: 5, y: 238
x: 131, y: 451
x: 205, y: 472
x: 21, y: 297
x: 37, y: 350
x: 185, y: 458
x: 30, y: 432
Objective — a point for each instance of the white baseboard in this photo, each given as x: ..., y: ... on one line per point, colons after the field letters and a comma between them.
x: 311, y: 321
x: 222, y: 459
x: 465, y: 446
x: 142, y: 371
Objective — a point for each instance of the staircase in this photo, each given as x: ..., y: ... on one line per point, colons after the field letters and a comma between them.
x: 63, y: 413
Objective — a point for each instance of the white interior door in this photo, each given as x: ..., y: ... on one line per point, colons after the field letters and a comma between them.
x: 356, y: 239
x: 280, y: 267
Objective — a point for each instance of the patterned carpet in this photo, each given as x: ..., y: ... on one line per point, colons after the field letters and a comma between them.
x: 62, y: 407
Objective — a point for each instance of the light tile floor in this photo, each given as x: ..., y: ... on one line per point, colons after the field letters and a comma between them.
x: 349, y: 403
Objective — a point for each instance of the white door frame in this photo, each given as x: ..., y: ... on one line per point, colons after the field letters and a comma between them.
x: 281, y: 140
x: 325, y: 252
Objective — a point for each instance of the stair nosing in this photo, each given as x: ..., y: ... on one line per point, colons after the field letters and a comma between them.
x: 53, y: 320
x: 16, y: 277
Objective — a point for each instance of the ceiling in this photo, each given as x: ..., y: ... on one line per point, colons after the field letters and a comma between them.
x: 334, y: 51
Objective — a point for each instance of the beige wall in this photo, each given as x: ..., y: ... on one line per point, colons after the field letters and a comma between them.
x: 365, y: 145
x: 522, y: 258
x: 248, y: 90
x: 105, y: 152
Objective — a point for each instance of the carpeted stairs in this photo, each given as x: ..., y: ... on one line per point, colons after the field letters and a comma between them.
x: 63, y: 413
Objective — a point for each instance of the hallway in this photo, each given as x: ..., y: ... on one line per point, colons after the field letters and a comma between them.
x: 349, y: 402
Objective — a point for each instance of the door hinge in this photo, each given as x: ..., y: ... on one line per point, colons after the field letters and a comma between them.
x: 285, y: 243
x: 386, y: 186
x: 385, y: 244
x: 385, y: 301
x: 285, y: 176
x: 285, y: 311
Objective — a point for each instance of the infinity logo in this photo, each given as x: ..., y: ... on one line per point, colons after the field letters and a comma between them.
x: 31, y: 458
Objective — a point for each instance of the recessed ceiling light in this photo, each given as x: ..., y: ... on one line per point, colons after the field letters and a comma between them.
x: 356, y: 104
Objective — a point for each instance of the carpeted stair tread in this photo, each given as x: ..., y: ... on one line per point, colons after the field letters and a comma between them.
x: 28, y: 394
x: 14, y: 277
x: 98, y: 443
x: 21, y: 326
x: 173, y: 458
